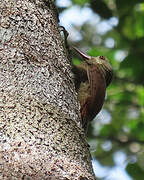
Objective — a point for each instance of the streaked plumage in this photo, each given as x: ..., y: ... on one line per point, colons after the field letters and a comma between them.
x: 91, y: 92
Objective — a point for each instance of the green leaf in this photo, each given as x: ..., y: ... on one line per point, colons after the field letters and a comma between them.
x: 124, y: 7
x: 140, y: 93
x: 101, y: 8
x: 135, y: 171
x: 76, y: 61
x: 108, y: 130
x: 133, y: 67
x: 80, y: 2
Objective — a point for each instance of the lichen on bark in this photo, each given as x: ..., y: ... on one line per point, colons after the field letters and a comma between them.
x: 40, y: 130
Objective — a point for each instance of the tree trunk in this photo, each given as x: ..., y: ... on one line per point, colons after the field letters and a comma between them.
x: 40, y: 130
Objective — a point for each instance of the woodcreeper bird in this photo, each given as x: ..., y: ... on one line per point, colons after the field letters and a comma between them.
x: 93, y: 76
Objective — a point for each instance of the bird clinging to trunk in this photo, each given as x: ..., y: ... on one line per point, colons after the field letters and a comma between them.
x: 93, y: 76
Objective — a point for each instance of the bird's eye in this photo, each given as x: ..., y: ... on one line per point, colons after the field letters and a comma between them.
x: 102, y: 57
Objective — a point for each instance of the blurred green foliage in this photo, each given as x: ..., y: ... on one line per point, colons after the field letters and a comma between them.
x: 125, y: 96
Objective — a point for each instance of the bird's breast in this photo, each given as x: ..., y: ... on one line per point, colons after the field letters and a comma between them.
x: 96, y: 95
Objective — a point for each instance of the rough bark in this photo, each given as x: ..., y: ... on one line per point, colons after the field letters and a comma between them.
x: 40, y: 131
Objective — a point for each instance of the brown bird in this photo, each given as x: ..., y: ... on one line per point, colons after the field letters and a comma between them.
x: 94, y: 74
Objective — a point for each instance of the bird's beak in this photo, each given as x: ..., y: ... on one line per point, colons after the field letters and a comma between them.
x: 84, y: 56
